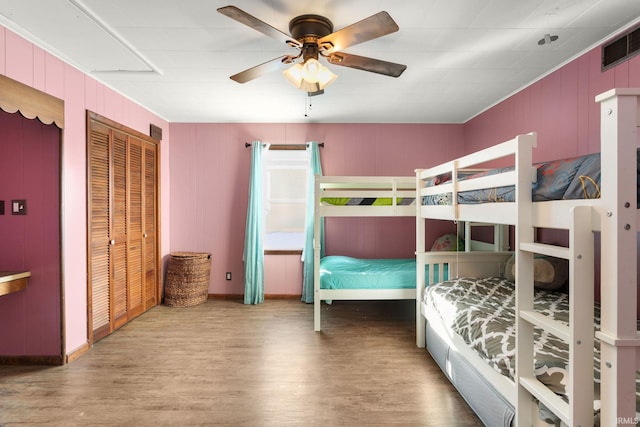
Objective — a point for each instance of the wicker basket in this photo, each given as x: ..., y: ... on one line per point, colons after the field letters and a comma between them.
x: 187, y: 281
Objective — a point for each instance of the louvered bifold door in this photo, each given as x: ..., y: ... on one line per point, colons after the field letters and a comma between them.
x: 99, y: 261
x: 118, y: 242
x: 123, y: 278
x: 151, y: 289
x: 135, y: 230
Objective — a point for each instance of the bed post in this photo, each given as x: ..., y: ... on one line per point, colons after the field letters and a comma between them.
x: 316, y: 254
x: 618, y: 215
x: 501, y: 237
x: 420, y: 268
x: 581, y: 278
x: 524, y: 278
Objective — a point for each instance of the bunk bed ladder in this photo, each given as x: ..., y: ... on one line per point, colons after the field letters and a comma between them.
x: 579, y: 334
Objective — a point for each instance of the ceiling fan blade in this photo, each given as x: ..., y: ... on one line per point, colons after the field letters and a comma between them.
x: 369, y: 28
x: 276, y: 64
x: 258, y: 25
x: 366, y: 64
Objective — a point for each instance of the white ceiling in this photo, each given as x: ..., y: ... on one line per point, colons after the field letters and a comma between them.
x: 175, y: 57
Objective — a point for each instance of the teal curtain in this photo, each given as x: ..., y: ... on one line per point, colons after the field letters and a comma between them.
x: 253, y: 253
x: 315, y: 168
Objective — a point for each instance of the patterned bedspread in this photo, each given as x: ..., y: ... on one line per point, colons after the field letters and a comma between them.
x: 574, y: 178
x: 481, y: 312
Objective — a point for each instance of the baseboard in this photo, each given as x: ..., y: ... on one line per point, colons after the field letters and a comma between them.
x: 32, y: 360
x: 226, y: 296
x: 77, y: 352
x: 285, y: 297
x: 267, y: 296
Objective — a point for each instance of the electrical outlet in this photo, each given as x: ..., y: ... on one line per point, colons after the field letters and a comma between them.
x: 18, y: 207
x: 228, y: 275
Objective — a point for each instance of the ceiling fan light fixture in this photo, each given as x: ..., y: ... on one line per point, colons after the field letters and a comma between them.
x: 311, y: 68
x: 294, y: 75
x: 311, y: 76
x: 315, y: 72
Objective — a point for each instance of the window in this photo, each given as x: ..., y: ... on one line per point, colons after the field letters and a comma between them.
x: 285, y: 198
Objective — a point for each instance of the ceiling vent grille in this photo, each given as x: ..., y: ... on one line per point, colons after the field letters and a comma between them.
x: 621, y: 49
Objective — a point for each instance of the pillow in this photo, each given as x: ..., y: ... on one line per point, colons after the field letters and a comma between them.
x: 448, y: 242
x: 510, y: 269
x: 549, y: 273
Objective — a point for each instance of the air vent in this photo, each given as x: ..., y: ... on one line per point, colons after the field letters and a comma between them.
x: 155, y: 132
x: 621, y: 49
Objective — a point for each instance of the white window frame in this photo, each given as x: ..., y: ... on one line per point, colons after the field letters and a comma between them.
x: 289, y: 239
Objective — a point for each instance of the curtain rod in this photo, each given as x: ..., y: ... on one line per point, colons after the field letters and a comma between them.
x: 285, y: 146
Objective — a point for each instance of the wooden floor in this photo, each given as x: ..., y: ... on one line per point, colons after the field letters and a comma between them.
x: 225, y: 363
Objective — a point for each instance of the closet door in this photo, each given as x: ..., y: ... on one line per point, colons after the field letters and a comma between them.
x: 98, y: 221
x: 118, y: 232
x: 122, y: 222
x: 135, y: 297
x: 150, y: 207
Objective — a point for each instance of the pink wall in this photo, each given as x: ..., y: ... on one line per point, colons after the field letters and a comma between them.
x: 282, y: 275
x: 29, y: 169
x: 29, y: 64
x: 210, y: 173
x: 561, y: 108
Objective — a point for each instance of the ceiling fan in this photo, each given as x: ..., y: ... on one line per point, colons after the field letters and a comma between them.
x: 314, y: 37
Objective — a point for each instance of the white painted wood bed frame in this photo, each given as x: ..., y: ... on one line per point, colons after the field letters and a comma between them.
x: 614, y: 214
x: 393, y: 187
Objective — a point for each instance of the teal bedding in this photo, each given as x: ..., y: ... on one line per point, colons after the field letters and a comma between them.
x: 342, y: 272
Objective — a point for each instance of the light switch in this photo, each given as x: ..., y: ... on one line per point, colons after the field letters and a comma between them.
x: 18, y: 207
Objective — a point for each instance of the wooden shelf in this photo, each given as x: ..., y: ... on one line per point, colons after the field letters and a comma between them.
x: 13, y: 281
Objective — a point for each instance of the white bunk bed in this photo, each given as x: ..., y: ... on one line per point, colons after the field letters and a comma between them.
x: 614, y: 214
x: 353, y: 196
x: 375, y: 196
